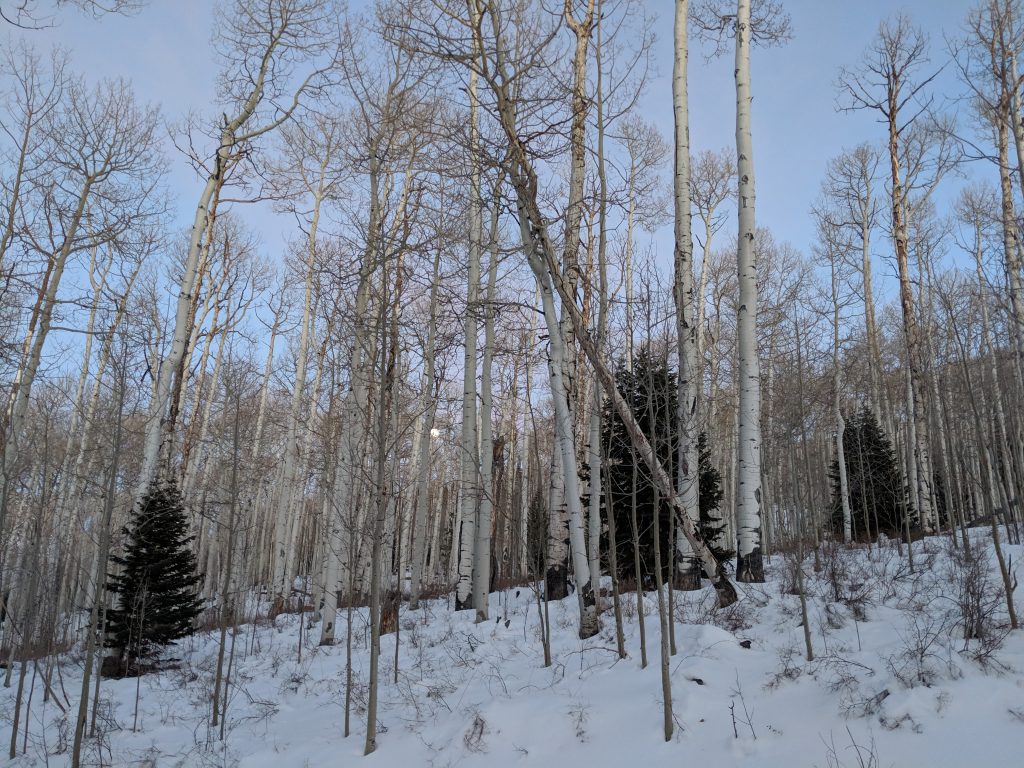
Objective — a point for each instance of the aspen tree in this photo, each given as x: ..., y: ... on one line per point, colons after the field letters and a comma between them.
x: 471, y: 482
x: 748, y: 487
x: 888, y: 82
x: 647, y: 151
x: 388, y: 360
x: 988, y: 67
x: 233, y: 391
x: 99, y: 577
x: 829, y: 248
x: 277, y: 311
x: 312, y: 176
x: 769, y: 25
x: 385, y: 152
x: 428, y: 405
x: 691, y: 369
x: 579, y: 17
x: 486, y: 508
x: 977, y: 207
x: 263, y: 43
x: 594, y: 452
x: 35, y: 95
x: 985, y: 465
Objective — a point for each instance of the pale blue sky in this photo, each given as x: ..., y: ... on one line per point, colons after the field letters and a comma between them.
x: 165, y: 50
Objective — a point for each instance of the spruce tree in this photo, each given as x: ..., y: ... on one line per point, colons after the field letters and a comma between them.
x: 712, y: 525
x: 650, y: 388
x: 157, y: 581
x: 878, y: 498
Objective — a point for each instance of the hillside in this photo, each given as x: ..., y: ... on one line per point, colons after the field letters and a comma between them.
x: 893, y: 683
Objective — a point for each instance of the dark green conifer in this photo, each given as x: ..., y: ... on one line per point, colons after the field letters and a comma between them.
x: 878, y: 498
x: 650, y: 389
x: 156, y: 580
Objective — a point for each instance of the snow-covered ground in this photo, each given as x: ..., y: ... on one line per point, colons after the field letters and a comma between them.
x: 893, y: 683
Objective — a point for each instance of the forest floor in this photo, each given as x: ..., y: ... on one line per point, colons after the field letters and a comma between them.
x: 893, y: 682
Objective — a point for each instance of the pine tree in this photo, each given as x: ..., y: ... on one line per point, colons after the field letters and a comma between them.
x: 878, y: 497
x: 157, y: 582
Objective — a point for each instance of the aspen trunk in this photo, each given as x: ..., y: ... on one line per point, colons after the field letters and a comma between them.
x: 160, y: 426
x: 687, y: 330
x: 482, y: 548
x: 837, y: 409
x: 564, y: 385
x: 428, y: 405
x: 917, y: 408
x: 284, y: 543
x: 342, y: 560
x: 565, y: 448
x: 749, y: 567
x: 99, y: 578
x: 470, y: 482
x: 539, y: 253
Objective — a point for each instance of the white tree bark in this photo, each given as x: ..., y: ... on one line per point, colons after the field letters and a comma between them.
x: 837, y: 407
x: 428, y: 406
x: 749, y: 567
x: 344, y: 523
x: 470, y: 487
x: 565, y: 444
x: 99, y: 166
x: 594, y: 452
x: 268, y: 368
x: 284, y: 542
x: 691, y: 368
x: 482, y: 550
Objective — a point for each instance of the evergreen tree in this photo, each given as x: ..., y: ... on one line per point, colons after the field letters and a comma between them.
x: 650, y: 389
x: 878, y: 498
x: 157, y: 583
x: 712, y: 525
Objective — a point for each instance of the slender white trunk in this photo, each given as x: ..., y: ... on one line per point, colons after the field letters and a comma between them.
x: 344, y: 518
x: 594, y: 438
x: 879, y: 397
x: 193, y: 443
x: 749, y: 567
x: 844, y: 486
x: 157, y: 423
x: 268, y: 368
x: 565, y: 446
x: 988, y: 345
x: 470, y: 483
x: 482, y: 549
x: 690, y: 362
x: 428, y: 406
x: 160, y: 426
x: 284, y: 539
x: 627, y: 266
x: 563, y: 348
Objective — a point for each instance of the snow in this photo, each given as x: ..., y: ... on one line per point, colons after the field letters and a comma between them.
x: 893, y: 683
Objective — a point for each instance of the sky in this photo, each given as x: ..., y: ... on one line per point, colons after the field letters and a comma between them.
x: 165, y: 51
